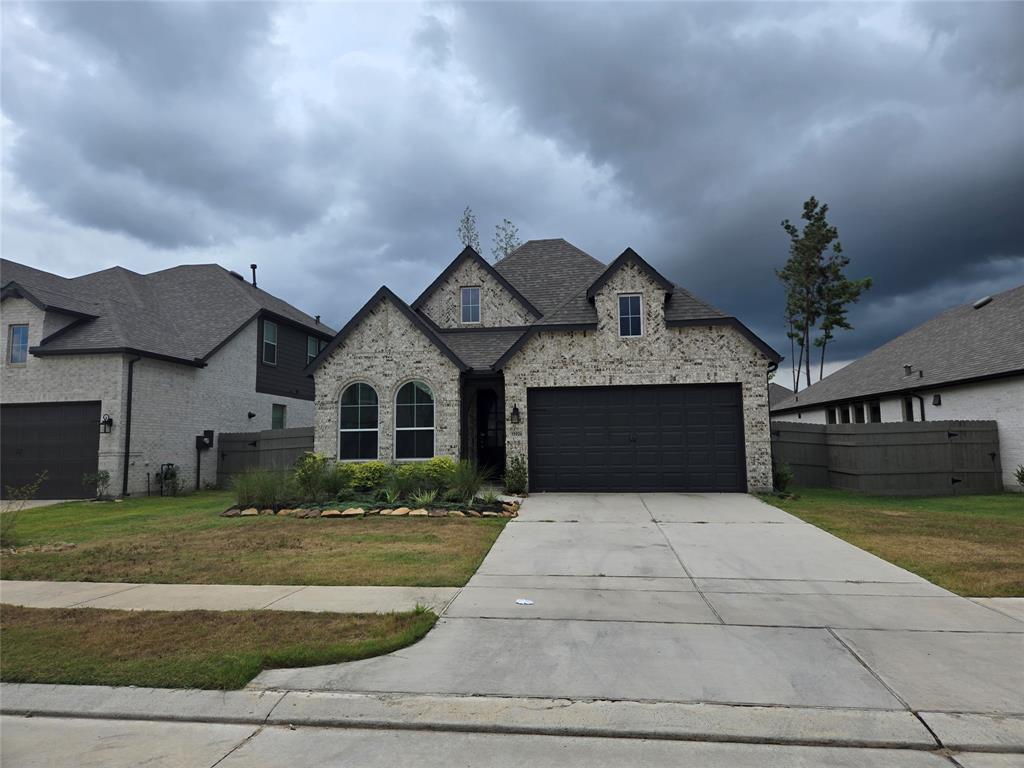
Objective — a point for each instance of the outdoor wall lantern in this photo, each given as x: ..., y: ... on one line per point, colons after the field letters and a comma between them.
x: 252, y: 415
x: 514, y: 416
x: 106, y: 424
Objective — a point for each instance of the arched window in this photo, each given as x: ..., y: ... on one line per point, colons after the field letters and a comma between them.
x: 414, y: 422
x: 357, y: 423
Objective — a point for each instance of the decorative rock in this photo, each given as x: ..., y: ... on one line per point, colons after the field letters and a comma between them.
x: 233, y: 512
x: 472, y: 513
x: 491, y: 514
x: 456, y: 513
x: 250, y: 512
x: 372, y: 512
x: 419, y: 513
x: 266, y: 511
x: 331, y: 513
x: 438, y: 513
x: 353, y: 512
x: 287, y: 512
x: 307, y: 513
x: 386, y: 512
x: 401, y: 511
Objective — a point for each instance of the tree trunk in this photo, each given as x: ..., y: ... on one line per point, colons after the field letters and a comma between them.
x: 821, y: 369
x: 792, y: 358
x: 807, y: 356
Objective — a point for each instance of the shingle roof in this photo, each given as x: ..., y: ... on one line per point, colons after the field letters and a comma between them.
x: 547, y: 272
x: 481, y: 349
x: 777, y: 393
x: 183, y: 313
x: 961, y: 344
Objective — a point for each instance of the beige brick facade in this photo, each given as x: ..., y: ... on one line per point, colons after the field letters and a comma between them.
x: 385, y: 351
x: 498, y: 307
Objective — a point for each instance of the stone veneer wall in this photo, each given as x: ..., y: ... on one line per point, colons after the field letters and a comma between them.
x: 692, y: 355
x: 497, y: 306
x: 386, y: 351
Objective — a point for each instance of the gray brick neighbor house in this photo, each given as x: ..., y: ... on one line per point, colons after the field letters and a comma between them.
x: 602, y: 377
x: 122, y: 372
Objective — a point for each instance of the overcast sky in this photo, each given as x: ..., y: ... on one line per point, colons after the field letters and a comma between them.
x: 336, y: 145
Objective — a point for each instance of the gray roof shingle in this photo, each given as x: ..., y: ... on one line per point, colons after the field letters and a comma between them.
x: 480, y: 349
x: 547, y: 272
x: 183, y: 313
x: 960, y: 344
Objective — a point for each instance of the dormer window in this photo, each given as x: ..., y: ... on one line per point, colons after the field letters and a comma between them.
x: 471, y: 305
x: 630, y: 315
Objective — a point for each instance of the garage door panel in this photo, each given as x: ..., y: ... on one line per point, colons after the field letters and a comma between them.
x: 677, y: 437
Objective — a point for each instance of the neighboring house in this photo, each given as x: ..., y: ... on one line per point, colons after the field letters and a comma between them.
x: 777, y: 393
x: 967, y: 363
x: 602, y: 377
x: 122, y: 372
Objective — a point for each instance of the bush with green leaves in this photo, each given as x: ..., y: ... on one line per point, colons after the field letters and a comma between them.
x: 263, y: 488
x: 782, y: 476
x: 370, y: 475
x: 1019, y: 474
x: 515, y: 475
x: 438, y: 471
x: 467, y: 480
x: 339, y: 479
x: 423, y: 498
x: 310, y: 476
x: 98, y: 483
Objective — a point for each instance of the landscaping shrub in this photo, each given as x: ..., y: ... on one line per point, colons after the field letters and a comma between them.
x: 1019, y: 474
x: 263, y: 489
x: 515, y: 475
x: 467, y: 479
x: 338, y: 480
x: 438, y: 472
x: 17, y: 498
x: 98, y: 483
x: 782, y: 476
x: 310, y: 476
x: 423, y: 498
x: 370, y: 475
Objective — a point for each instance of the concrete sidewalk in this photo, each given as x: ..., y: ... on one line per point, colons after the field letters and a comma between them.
x: 222, y: 597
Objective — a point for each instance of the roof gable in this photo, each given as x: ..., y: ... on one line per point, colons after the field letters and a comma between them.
x: 385, y: 294
x: 626, y: 257
x: 548, y: 271
x: 468, y: 254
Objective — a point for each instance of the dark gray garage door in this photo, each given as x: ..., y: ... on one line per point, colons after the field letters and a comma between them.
x: 658, y: 438
x: 62, y: 438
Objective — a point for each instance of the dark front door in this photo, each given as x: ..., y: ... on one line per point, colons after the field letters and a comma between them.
x: 638, y: 438
x: 490, y: 430
x: 61, y: 438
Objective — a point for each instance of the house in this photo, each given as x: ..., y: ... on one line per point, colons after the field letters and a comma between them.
x: 600, y: 376
x: 123, y: 372
x: 777, y: 393
x: 965, y: 364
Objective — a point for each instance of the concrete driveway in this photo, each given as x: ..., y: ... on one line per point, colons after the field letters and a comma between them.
x: 697, y: 598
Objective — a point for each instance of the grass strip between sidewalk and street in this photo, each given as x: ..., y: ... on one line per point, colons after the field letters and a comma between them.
x: 971, y: 545
x: 188, y: 649
x: 183, y: 540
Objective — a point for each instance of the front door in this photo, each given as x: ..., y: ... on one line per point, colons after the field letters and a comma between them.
x: 490, y: 431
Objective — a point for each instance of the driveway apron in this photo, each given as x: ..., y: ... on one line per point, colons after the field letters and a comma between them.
x: 696, y: 598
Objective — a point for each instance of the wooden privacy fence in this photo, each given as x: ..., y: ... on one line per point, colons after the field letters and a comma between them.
x: 275, y: 449
x: 914, y: 458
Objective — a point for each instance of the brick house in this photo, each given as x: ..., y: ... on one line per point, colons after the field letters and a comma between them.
x: 601, y: 376
x: 125, y: 372
x: 966, y: 363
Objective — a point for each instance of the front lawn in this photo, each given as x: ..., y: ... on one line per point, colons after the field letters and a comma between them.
x: 183, y: 540
x: 971, y: 545
x: 188, y: 649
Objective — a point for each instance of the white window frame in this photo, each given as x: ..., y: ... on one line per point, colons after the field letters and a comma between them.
x: 463, y: 305
x: 359, y: 429
x: 10, y: 344
x: 619, y: 315
x: 432, y: 427
x: 263, y: 352
x: 316, y: 345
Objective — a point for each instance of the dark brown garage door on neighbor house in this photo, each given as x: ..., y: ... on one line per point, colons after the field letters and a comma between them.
x: 61, y: 438
x: 637, y: 438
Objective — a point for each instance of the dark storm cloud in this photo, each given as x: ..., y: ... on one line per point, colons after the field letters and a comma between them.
x: 150, y: 119
x: 721, y: 120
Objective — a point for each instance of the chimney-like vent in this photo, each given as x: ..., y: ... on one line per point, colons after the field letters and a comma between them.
x: 907, y: 370
x: 982, y: 302
x: 253, y: 268
x: 317, y: 319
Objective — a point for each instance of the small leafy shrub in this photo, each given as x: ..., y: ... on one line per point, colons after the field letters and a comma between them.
x: 309, y: 475
x: 98, y: 483
x: 408, y: 479
x: 1019, y: 474
x: 262, y: 488
x: 438, y: 472
x: 516, y: 476
x: 467, y: 479
x: 490, y: 498
x: 390, y: 493
x: 423, y: 498
x: 370, y: 475
x: 168, y: 481
x: 782, y: 476
x: 17, y: 497
x: 338, y: 479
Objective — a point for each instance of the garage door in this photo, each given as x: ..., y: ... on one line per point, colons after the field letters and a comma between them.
x: 658, y: 438
x: 61, y: 438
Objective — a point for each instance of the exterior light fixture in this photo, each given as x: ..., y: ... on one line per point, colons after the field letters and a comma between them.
x: 514, y: 416
x: 252, y: 415
x: 106, y: 424
x: 936, y: 399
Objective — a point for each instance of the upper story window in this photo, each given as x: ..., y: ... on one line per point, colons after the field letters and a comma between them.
x: 313, y: 347
x: 17, y: 345
x: 471, y: 305
x: 269, y: 342
x: 630, y: 315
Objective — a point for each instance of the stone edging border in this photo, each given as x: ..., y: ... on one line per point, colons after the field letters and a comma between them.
x: 508, y: 509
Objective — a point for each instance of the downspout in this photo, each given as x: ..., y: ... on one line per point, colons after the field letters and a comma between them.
x: 128, y: 425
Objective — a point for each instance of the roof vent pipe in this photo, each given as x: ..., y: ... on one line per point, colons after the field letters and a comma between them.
x: 907, y: 370
x: 253, y: 268
x: 982, y: 302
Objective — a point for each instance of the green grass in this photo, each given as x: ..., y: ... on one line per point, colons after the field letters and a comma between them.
x: 188, y: 649
x: 971, y: 545
x: 184, y: 540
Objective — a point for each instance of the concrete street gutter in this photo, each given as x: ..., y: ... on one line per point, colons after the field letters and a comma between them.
x: 892, y: 729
